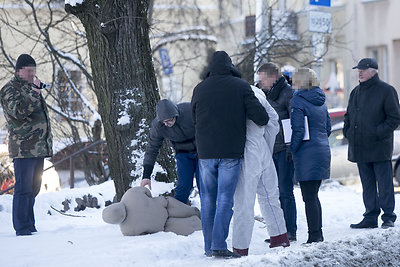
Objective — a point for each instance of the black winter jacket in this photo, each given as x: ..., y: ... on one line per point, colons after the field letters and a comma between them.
x: 279, y: 97
x: 220, y: 105
x: 372, y: 116
x: 180, y: 135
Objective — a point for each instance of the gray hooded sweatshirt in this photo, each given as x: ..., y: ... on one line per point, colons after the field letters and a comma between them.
x: 180, y: 136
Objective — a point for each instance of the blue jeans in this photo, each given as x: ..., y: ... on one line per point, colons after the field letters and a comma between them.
x: 218, y: 179
x: 187, y: 167
x: 28, y: 179
x: 379, y: 198
x: 285, y: 171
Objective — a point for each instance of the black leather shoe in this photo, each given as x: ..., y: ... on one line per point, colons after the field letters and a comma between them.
x: 315, y: 240
x: 364, y: 224
x: 23, y: 232
x: 291, y: 237
x: 226, y: 254
x: 387, y: 224
x: 208, y: 254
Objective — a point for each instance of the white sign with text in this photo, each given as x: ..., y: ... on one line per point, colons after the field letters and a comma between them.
x: 319, y: 21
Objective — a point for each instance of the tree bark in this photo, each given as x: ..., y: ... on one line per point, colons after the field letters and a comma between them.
x: 124, y: 81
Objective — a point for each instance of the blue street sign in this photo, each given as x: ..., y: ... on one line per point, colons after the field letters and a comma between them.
x: 320, y: 2
x: 165, y: 61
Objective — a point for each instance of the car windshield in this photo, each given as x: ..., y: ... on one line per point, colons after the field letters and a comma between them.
x: 337, y: 138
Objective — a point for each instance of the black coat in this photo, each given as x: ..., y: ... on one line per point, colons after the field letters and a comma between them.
x: 220, y: 105
x: 372, y: 116
x: 180, y: 135
x: 279, y: 97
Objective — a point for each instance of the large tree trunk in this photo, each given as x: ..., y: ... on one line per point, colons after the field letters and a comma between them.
x: 124, y: 81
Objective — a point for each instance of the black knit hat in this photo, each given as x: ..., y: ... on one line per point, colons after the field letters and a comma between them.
x: 24, y: 60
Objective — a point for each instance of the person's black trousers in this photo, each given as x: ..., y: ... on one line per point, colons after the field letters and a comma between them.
x: 285, y: 172
x: 28, y: 179
x: 309, y: 191
x: 381, y: 197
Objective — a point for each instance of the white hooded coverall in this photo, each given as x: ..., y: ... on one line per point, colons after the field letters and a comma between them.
x: 258, y: 175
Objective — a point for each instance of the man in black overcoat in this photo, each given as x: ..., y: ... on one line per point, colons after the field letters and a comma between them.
x: 371, y: 118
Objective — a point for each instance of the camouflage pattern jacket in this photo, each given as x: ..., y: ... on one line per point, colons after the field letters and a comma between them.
x: 28, y: 120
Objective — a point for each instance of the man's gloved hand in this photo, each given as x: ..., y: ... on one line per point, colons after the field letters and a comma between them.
x: 146, y: 181
x: 288, y: 155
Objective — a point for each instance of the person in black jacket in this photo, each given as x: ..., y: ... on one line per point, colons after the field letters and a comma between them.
x: 220, y: 105
x: 279, y: 93
x: 372, y: 116
x: 175, y: 123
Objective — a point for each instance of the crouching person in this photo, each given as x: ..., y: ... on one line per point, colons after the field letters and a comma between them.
x: 258, y: 176
x: 174, y: 123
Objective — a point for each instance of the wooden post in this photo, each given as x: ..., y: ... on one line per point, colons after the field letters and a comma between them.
x: 71, y: 173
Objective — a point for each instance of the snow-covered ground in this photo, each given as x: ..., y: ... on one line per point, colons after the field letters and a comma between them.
x: 88, y: 241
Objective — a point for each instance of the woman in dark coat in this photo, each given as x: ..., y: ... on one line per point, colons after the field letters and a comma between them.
x: 311, y: 157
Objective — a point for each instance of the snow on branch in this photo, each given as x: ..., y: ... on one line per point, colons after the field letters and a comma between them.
x: 184, y: 34
x: 65, y: 115
x: 189, y: 29
x: 184, y: 37
x: 9, y: 59
x: 86, y: 102
x: 72, y: 58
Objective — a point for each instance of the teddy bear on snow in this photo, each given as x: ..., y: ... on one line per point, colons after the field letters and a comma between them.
x: 139, y: 213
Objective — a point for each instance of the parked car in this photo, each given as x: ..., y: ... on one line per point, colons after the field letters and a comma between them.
x: 345, y: 171
x: 336, y: 115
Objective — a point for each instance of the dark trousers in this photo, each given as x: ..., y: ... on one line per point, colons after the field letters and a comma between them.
x: 381, y: 197
x: 309, y: 191
x: 285, y: 172
x: 28, y: 179
x: 187, y: 167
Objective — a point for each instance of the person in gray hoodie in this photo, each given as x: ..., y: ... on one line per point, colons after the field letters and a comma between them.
x: 174, y: 123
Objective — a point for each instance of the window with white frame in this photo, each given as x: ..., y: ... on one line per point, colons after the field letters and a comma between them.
x: 380, y: 54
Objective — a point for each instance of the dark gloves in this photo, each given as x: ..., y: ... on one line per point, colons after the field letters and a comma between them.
x: 288, y: 154
x: 147, y: 170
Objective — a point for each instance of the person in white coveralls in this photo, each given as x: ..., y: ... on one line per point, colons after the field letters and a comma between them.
x: 258, y: 176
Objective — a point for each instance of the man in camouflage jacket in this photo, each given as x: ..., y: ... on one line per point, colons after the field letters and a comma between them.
x: 30, y: 139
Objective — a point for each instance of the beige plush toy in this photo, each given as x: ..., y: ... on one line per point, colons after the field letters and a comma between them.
x: 139, y: 213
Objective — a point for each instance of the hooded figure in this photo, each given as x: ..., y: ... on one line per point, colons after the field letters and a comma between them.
x: 139, y: 213
x: 174, y: 123
x: 220, y: 105
x: 312, y: 157
x: 258, y: 176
